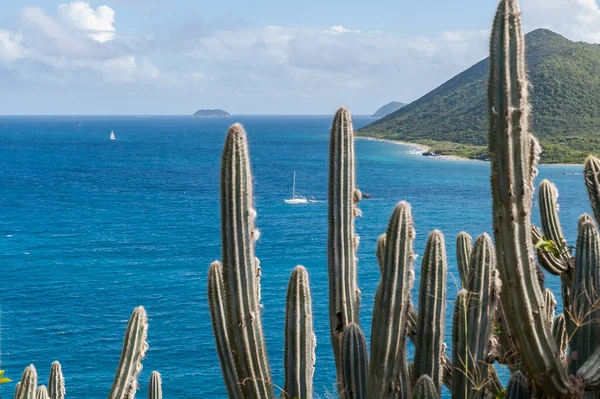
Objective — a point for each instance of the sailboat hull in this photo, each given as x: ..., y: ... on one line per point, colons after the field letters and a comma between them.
x: 296, y: 201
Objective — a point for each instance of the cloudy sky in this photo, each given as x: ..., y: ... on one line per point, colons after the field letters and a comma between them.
x: 247, y: 56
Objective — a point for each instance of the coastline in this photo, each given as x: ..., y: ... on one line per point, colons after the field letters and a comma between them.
x: 418, y: 148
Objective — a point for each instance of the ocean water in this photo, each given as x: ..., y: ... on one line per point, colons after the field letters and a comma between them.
x: 91, y: 228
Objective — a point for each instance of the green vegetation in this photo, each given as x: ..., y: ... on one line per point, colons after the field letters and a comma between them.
x: 565, y: 96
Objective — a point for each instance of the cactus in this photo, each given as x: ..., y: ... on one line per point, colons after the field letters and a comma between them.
x: 517, y: 387
x: 17, y: 386
x: 589, y: 372
x: 387, y: 375
x: 41, y: 393
x: 134, y: 349
x: 546, y: 258
x: 56, y: 382
x: 463, y: 252
x: 380, y: 252
x: 559, y: 331
x: 355, y: 363
x: 514, y: 153
x: 425, y: 388
x: 585, y: 218
x: 432, y: 302
x: 28, y: 384
x: 591, y: 174
x: 241, y: 270
x: 342, y: 242
x: 299, y: 359
x: 586, y: 298
x: 549, y: 305
x: 155, y: 386
x: 461, y: 358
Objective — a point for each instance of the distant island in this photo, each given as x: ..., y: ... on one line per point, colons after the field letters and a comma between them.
x: 388, y: 109
x: 212, y: 113
x: 565, y: 98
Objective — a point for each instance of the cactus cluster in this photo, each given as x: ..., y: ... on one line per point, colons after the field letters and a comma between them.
x: 503, y: 313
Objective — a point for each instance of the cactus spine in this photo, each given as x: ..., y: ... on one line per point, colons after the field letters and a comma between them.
x: 388, y: 372
x: 41, y: 393
x: 155, y: 386
x: 56, y: 382
x: 463, y: 253
x: 425, y: 388
x: 355, y: 363
x: 299, y: 355
x: 341, y: 241
x: 514, y: 153
x: 586, y: 298
x: 134, y: 349
x: 28, y: 384
x: 429, y: 347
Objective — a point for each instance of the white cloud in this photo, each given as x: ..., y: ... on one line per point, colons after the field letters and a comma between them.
x: 10, y: 46
x: 98, y: 23
x: 339, y: 29
x: 575, y: 19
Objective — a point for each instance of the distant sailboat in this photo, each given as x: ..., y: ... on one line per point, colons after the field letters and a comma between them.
x: 112, y: 135
x: 296, y: 199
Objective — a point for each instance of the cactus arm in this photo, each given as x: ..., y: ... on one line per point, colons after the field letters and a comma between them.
x: 28, y: 384
x: 341, y: 241
x: 218, y: 312
x: 241, y: 269
x: 425, y: 388
x: 559, y: 331
x: 388, y: 332
x: 548, y: 201
x: 155, y: 386
x: 134, y: 349
x: 589, y: 372
x: 517, y: 387
x: 429, y: 347
x: 549, y: 305
x: 17, y: 386
x: 592, y: 182
x: 463, y: 252
x: 56, y: 382
x: 584, y: 218
x: 586, y: 299
x: 41, y: 392
x: 513, y: 154
x: 299, y: 355
x: 545, y: 258
x: 355, y: 362
x: 461, y: 359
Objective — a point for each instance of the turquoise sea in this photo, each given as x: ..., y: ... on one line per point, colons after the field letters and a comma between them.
x: 91, y: 228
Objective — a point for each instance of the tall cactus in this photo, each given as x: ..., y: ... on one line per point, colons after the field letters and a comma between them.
x: 425, y: 388
x: 514, y: 154
x: 380, y: 252
x: 341, y: 241
x: 56, y: 382
x: 388, y: 332
x: 586, y: 297
x: 461, y: 358
x: 463, y: 253
x: 28, y: 384
x: 299, y: 355
x: 355, y: 363
x: 155, y: 386
x: 559, y: 331
x: 241, y: 269
x: 591, y: 173
x: 432, y: 302
x: 41, y: 392
x: 134, y: 349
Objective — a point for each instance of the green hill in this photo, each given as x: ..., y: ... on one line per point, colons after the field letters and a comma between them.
x: 388, y: 109
x: 565, y: 97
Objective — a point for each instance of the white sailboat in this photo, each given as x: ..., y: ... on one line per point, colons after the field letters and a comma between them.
x: 112, y: 135
x: 296, y: 199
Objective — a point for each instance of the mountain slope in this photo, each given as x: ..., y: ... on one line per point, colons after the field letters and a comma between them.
x: 565, y: 96
x: 388, y: 109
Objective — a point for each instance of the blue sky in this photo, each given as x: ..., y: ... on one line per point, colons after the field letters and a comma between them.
x: 247, y: 56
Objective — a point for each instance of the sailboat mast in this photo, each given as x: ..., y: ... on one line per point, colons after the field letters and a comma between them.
x: 294, y: 186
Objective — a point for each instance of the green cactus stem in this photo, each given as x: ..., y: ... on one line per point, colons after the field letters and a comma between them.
x: 134, y: 349
x: 388, y: 333
x: 584, y: 218
x: 218, y: 312
x: 514, y: 153
x: 589, y: 372
x: 549, y: 305
x: 546, y: 258
x: 41, y: 392
x: 299, y: 355
x: 155, y: 386
x: 28, y: 384
x: 517, y: 387
x: 381, y: 242
x: 463, y: 253
x: 425, y: 388
x: 241, y: 269
x: 586, y: 299
x: 559, y: 331
x: 591, y: 174
x: 17, y: 385
x: 429, y: 347
x: 56, y: 382
x: 342, y: 242
x: 355, y: 362
x: 461, y: 358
